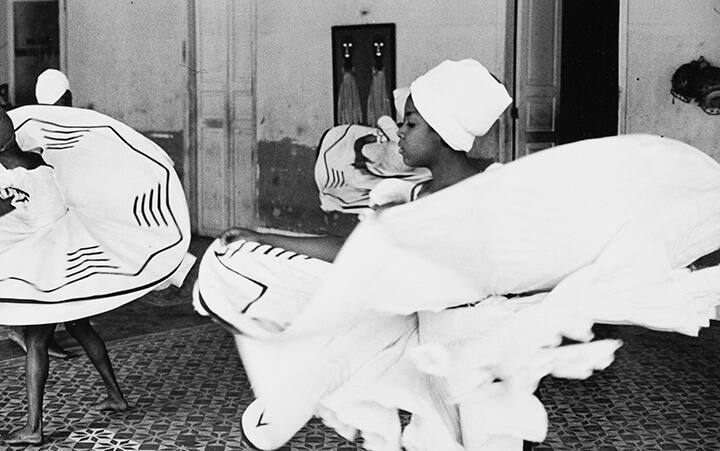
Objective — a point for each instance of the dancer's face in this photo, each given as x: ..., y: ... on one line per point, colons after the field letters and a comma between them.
x: 419, y: 143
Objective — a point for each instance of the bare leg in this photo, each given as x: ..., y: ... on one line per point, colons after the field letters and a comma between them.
x: 95, y: 349
x: 17, y: 334
x: 36, y: 372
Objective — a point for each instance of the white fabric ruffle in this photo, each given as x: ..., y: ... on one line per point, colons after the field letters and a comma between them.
x: 105, y: 225
x: 605, y: 227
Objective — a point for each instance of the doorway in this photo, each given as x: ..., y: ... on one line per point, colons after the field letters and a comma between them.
x: 566, y: 72
x: 33, y: 45
x: 589, y: 70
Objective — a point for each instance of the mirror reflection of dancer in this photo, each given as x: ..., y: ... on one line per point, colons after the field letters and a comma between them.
x: 94, y: 251
x: 52, y: 88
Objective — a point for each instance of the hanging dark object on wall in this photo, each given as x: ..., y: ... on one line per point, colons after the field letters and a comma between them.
x: 699, y: 81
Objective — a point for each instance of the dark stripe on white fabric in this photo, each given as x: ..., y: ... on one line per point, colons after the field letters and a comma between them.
x: 77, y: 265
x: 262, y: 286
x: 70, y: 130
x: 173, y: 222
x: 64, y: 139
x: 65, y: 147
x: 85, y: 254
x: 415, y: 191
x: 70, y: 254
x: 135, y: 210
x: 217, y: 317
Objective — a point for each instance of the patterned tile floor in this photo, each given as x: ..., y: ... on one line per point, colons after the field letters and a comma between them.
x: 661, y: 393
x: 183, y: 398
x: 188, y: 390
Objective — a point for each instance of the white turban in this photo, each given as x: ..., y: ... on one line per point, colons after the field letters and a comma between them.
x: 400, y: 96
x: 460, y: 100
x: 50, y: 86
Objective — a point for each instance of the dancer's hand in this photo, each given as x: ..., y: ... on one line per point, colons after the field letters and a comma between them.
x: 238, y: 233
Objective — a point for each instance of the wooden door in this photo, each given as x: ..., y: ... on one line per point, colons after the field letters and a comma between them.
x: 225, y: 37
x: 537, y: 75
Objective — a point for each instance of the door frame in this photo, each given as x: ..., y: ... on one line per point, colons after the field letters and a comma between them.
x: 191, y: 118
x: 623, y: 13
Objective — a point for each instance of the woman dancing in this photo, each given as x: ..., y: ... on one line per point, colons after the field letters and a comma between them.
x: 71, y: 244
x: 604, y: 229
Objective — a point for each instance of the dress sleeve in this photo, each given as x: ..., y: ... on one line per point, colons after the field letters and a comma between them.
x: 391, y: 192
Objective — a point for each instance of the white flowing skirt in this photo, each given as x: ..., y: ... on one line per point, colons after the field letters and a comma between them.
x: 126, y: 231
x: 604, y: 227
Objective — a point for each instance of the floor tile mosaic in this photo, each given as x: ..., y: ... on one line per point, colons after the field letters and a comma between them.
x: 187, y: 389
x: 661, y: 393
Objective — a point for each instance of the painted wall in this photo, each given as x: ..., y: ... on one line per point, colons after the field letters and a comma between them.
x: 127, y: 60
x: 663, y: 35
x: 294, y: 82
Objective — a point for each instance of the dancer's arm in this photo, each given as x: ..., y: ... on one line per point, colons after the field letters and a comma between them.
x: 21, y: 159
x: 323, y: 247
x: 6, y: 206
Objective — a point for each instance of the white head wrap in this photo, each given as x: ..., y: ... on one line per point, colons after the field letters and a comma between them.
x: 460, y: 100
x: 50, y: 86
x: 400, y: 96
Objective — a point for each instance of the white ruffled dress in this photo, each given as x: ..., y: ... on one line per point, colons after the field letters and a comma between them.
x: 602, y: 229
x: 103, y: 224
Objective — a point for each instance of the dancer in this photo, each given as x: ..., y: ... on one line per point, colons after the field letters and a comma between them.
x: 292, y: 278
x: 99, y: 209
x: 604, y: 229
x: 52, y: 88
x: 353, y: 159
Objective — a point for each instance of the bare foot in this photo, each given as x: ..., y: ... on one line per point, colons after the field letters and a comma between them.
x: 24, y: 436
x: 114, y: 405
x: 55, y: 351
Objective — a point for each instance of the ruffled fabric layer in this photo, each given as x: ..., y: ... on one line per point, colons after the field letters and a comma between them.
x: 603, y: 229
x: 356, y: 376
x: 125, y: 228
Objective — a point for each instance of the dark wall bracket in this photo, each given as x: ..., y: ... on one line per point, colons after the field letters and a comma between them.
x: 698, y: 81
